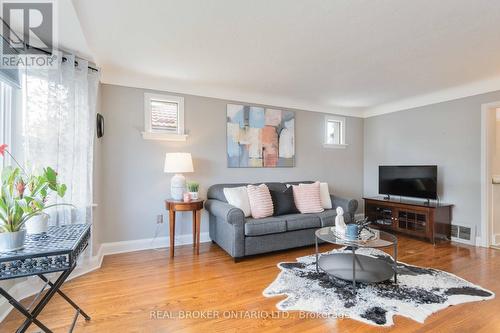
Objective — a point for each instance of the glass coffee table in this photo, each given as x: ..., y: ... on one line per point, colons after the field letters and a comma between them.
x: 356, y: 267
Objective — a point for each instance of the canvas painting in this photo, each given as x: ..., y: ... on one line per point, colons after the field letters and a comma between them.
x: 260, y: 137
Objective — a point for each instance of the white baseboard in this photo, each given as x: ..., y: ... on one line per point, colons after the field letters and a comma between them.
x: 495, y: 240
x: 27, y: 287
x: 480, y: 242
x: 149, y: 243
x: 463, y: 241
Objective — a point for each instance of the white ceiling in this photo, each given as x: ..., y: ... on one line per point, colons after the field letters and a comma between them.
x: 70, y: 35
x: 354, y: 57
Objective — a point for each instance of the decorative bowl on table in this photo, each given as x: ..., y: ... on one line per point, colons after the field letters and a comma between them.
x: 365, y: 235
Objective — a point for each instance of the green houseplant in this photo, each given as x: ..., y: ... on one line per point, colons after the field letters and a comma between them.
x: 193, y: 188
x: 23, y: 197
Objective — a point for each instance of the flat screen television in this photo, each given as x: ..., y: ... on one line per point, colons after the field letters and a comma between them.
x: 418, y: 181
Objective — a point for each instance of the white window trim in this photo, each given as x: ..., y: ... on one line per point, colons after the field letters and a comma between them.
x: 5, y: 120
x: 343, y: 143
x: 149, y: 133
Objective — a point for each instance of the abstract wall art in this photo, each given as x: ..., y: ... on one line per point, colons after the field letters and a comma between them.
x: 260, y: 137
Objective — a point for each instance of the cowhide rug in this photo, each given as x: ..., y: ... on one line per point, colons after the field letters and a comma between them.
x: 418, y: 293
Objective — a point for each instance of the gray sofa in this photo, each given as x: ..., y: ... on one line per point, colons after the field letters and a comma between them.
x: 240, y: 236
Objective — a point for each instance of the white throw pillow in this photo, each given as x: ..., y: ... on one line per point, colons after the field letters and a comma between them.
x: 324, y: 193
x: 238, y: 197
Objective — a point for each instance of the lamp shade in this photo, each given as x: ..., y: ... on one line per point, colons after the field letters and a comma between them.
x: 178, y: 163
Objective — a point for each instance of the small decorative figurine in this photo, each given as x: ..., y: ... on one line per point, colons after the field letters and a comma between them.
x: 339, y: 221
x: 363, y: 224
x: 363, y: 227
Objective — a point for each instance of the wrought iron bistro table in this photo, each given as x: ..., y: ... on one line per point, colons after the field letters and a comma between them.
x: 54, y: 251
x: 354, y: 266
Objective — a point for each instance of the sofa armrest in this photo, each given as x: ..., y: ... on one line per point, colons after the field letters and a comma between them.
x: 225, y: 211
x: 349, y: 205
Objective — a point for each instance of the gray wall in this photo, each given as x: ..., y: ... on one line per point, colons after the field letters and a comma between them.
x: 447, y: 134
x: 134, y: 185
x: 97, y: 212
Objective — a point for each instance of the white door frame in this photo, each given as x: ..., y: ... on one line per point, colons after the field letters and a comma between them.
x: 486, y: 204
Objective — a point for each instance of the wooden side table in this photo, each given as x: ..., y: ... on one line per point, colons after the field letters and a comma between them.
x: 194, y: 206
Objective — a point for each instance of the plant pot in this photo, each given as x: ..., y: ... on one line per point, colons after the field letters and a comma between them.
x: 37, y: 224
x: 194, y: 195
x: 11, y: 241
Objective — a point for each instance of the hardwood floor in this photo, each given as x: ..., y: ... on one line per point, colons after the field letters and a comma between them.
x: 123, y: 294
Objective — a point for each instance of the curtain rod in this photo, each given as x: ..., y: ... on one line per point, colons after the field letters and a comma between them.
x: 27, y: 46
x: 64, y: 59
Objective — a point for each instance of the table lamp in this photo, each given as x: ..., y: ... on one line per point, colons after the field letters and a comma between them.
x: 178, y: 163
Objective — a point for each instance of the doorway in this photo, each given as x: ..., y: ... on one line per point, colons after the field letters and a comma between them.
x: 495, y: 183
x: 490, y: 175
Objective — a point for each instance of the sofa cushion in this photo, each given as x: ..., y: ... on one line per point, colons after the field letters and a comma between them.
x: 283, y: 202
x: 301, y: 221
x: 264, y: 226
x: 327, y: 217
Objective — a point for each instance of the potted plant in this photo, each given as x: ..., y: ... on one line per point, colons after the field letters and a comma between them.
x: 38, y: 224
x: 23, y: 196
x: 193, y: 189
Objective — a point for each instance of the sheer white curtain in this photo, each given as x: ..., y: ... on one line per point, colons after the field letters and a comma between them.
x: 59, y: 109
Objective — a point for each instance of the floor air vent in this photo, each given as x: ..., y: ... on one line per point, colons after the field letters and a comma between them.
x: 462, y: 234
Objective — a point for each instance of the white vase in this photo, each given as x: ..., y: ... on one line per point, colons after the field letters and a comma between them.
x: 177, y: 187
x: 11, y: 241
x: 194, y: 195
x: 37, y: 224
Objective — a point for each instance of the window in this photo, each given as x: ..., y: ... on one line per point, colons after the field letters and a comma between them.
x: 10, y: 125
x: 334, y: 132
x: 164, y: 117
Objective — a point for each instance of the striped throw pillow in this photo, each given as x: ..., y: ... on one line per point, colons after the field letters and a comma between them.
x: 261, y: 203
x: 307, y: 198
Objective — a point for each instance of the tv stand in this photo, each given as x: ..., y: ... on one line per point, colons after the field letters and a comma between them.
x: 427, y: 220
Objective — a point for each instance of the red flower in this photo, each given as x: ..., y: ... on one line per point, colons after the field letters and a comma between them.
x: 20, y: 188
x: 2, y: 149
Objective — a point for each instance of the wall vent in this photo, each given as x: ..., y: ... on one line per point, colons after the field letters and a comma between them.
x: 463, y: 234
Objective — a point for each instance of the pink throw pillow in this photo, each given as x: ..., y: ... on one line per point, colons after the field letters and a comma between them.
x: 307, y: 198
x: 261, y: 203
